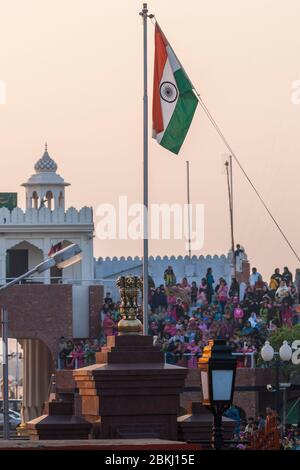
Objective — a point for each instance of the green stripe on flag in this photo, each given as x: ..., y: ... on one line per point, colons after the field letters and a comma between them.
x: 182, y: 81
x: 180, y: 121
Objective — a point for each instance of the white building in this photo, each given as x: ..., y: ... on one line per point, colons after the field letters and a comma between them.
x: 27, y: 236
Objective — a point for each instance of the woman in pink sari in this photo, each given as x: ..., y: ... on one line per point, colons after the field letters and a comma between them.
x: 222, y: 295
x: 205, y: 332
x: 194, y: 350
x: 77, y: 357
x: 170, y: 329
x: 108, y: 325
x: 287, y: 315
x: 238, y: 314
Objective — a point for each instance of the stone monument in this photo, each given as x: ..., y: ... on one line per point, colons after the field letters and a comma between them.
x: 130, y: 392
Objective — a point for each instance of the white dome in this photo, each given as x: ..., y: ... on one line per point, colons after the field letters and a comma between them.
x: 45, y: 173
x: 45, y: 163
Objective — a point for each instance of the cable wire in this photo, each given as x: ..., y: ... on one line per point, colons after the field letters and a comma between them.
x: 217, y: 128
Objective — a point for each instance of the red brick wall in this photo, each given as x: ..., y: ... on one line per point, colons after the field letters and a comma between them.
x: 96, y: 302
x: 252, y: 402
x: 245, y: 274
x: 39, y: 312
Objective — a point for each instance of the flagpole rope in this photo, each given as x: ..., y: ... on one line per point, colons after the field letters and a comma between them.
x: 217, y: 128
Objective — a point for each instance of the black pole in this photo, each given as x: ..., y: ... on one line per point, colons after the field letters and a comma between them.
x: 277, y: 386
x: 188, y: 201
x: 4, y: 322
x: 217, y: 431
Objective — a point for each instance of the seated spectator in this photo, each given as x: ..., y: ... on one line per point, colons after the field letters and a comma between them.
x: 108, y: 300
x: 249, y: 429
x: 275, y: 280
x: 282, y: 292
x: 202, y: 292
x: 169, y: 277
x: 234, y: 290
x: 155, y: 300
x: 260, y: 288
x: 222, y: 295
x: 287, y: 275
x: 194, y: 292
x: 210, y: 282
x: 286, y: 314
x: 62, y: 352
x: 170, y: 328
x: 77, y: 356
x: 238, y: 314
x: 254, y: 277
x: 108, y: 325
x: 261, y: 423
x: 247, y: 329
x: 264, y: 312
x: 185, y: 285
x: 194, y: 350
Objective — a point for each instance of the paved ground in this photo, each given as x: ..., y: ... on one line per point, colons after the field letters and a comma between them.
x: 98, y: 444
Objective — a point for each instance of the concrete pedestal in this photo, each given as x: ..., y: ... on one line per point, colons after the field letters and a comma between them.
x: 132, y: 393
x: 58, y: 423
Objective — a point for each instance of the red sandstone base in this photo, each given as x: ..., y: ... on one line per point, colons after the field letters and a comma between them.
x: 132, y: 395
x: 197, y: 426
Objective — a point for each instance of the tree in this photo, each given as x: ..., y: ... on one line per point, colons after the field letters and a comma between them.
x: 276, y: 340
x: 282, y: 334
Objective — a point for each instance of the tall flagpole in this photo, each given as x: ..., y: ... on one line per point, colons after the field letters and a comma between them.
x: 231, y: 214
x: 188, y: 201
x: 144, y: 14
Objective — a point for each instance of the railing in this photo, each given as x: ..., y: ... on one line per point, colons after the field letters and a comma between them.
x: 186, y: 359
x: 74, y: 361
x: 182, y: 358
x: 61, y: 280
x: 246, y: 356
x: 268, y: 439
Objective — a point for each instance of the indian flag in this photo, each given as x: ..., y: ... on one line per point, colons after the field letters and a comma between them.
x: 174, y: 101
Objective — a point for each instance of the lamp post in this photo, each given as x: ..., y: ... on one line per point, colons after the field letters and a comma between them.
x: 283, y: 356
x: 217, y: 370
x: 62, y: 259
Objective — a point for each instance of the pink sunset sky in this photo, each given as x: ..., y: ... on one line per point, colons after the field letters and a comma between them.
x: 73, y: 75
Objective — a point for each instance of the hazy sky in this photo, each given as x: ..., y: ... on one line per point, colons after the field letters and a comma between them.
x: 73, y: 71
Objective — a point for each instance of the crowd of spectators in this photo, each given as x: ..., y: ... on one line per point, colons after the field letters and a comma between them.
x: 74, y: 354
x: 248, y: 429
x: 183, y: 317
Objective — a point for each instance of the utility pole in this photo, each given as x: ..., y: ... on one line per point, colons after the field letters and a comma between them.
x: 188, y: 201
x: 4, y: 325
x: 229, y: 174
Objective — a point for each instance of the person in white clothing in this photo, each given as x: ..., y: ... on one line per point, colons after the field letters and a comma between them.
x: 254, y: 277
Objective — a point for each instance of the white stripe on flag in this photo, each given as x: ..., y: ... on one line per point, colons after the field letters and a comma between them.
x: 167, y: 108
x: 173, y: 59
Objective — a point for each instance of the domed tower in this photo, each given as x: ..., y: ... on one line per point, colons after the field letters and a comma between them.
x: 45, y: 188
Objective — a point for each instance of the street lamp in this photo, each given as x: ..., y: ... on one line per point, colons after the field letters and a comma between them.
x: 217, y: 370
x: 284, y: 355
x: 62, y: 259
